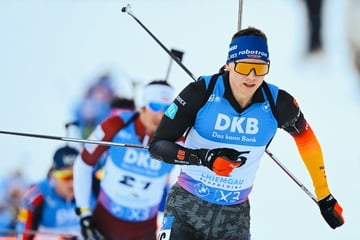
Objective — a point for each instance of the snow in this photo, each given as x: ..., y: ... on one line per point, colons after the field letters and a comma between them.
x: 51, y: 50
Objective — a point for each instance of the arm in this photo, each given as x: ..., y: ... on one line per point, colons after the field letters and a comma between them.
x: 30, y: 212
x: 175, y: 123
x: 311, y: 153
x: 171, y: 128
x: 293, y: 121
x: 89, y: 157
x: 83, y: 173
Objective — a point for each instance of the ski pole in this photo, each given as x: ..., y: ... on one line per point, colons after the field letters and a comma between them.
x: 127, y: 10
x: 272, y: 156
x: 240, y: 13
x: 179, y: 54
x: 64, y: 235
x: 77, y: 140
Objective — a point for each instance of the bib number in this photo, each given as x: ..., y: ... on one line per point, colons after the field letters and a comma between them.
x: 165, y: 231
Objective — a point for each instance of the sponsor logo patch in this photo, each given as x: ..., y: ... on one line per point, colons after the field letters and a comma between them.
x: 171, y: 111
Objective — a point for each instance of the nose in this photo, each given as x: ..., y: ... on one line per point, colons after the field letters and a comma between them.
x: 252, y: 75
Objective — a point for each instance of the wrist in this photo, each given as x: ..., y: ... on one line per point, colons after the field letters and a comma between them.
x: 196, y: 156
x: 322, y: 192
x: 83, y: 211
x: 194, y: 159
x: 326, y: 202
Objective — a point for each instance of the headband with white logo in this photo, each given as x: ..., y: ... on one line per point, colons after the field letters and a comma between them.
x: 248, y: 47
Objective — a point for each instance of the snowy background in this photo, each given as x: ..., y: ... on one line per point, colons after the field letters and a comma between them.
x: 50, y: 51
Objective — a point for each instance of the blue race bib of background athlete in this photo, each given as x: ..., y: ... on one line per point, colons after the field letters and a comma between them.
x: 165, y: 231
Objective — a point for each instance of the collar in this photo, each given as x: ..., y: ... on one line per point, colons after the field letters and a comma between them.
x: 141, y: 130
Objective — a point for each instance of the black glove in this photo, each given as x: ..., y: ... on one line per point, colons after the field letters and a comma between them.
x: 88, y: 229
x: 331, y: 211
x: 221, y: 160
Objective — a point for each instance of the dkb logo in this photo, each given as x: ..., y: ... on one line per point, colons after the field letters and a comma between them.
x: 236, y: 124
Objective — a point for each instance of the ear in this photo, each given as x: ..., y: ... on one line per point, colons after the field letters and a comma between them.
x: 51, y: 176
x: 142, y: 109
x: 227, y: 67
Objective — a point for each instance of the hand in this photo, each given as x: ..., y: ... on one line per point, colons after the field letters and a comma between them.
x: 331, y: 211
x: 88, y: 230
x: 222, y: 161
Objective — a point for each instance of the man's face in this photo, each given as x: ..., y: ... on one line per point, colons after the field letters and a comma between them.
x: 247, y: 75
x: 151, y: 115
x: 63, y: 182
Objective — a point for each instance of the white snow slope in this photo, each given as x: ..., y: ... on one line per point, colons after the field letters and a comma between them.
x: 50, y: 50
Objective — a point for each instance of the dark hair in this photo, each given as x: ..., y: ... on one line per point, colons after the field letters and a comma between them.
x: 249, y: 31
x: 159, y: 82
x: 122, y: 102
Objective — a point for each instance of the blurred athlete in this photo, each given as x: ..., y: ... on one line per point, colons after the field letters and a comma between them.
x: 49, y: 206
x: 132, y: 184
